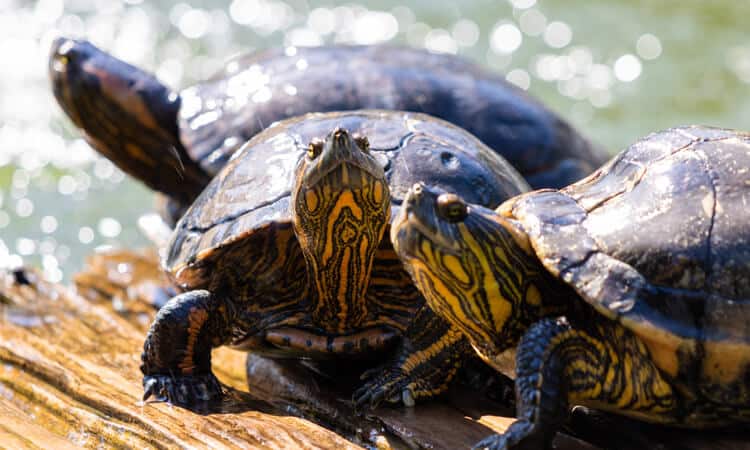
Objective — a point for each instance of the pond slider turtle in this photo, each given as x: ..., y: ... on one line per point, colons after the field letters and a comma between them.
x: 175, y: 142
x: 628, y: 291
x: 283, y: 253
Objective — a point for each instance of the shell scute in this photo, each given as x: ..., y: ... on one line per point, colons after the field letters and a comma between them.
x: 253, y: 192
x: 254, y: 91
x: 660, y: 240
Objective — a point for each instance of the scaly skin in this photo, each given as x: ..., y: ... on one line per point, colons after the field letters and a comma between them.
x: 426, y: 362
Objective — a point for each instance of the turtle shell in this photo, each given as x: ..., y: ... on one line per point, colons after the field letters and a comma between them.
x: 252, y: 193
x: 659, y: 239
x: 217, y: 116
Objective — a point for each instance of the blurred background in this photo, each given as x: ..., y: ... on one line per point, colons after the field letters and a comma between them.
x: 617, y: 69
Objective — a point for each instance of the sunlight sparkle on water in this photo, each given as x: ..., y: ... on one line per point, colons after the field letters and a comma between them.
x: 416, y: 33
x: 373, y: 27
x: 109, y: 227
x: 627, y: 68
x: 523, y: 4
x: 441, y: 41
x: 465, y: 32
x: 86, y: 235
x: 48, y: 224
x: 303, y: 37
x: 24, y: 207
x: 558, y: 34
x: 648, y: 46
x: 505, y: 38
x: 532, y: 22
x: 322, y: 20
x: 520, y: 78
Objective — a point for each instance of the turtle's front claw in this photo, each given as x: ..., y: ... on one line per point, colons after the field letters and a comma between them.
x: 182, y: 390
x: 494, y: 442
x: 389, y: 384
x: 522, y: 435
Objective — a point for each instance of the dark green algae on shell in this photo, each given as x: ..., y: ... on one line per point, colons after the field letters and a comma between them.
x: 218, y: 115
x: 251, y: 194
x: 659, y: 239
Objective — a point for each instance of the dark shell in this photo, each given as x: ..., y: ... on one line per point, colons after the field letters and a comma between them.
x: 658, y: 238
x: 219, y: 115
x: 252, y: 192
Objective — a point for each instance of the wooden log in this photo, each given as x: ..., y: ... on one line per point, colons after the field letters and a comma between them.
x: 69, y: 378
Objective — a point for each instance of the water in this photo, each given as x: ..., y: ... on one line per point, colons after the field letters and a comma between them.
x: 618, y: 70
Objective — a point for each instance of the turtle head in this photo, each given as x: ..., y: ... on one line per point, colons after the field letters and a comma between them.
x: 341, y: 206
x: 124, y: 112
x: 474, y: 267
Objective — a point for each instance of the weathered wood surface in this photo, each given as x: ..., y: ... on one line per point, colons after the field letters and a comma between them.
x: 70, y: 373
x: 69, y: 378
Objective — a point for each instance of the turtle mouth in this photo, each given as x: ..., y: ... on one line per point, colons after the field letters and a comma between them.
x: 429, y: 232
x: 293, y: 342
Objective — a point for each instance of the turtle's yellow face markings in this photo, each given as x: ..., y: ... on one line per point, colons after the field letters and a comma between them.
x: 378, y: 192
x: 341, y: 205
x: 311, y: 200
x: 453, y: 264
x: 474, y: 268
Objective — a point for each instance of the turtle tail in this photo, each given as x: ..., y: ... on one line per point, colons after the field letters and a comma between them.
x: 127, y: 115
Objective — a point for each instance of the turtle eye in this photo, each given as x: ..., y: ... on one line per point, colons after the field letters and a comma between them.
x: 363, y: 143
x: 451, y: 208
x: 314, y: 149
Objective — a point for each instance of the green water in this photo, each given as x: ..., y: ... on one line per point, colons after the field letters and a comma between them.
x: 59, y: 201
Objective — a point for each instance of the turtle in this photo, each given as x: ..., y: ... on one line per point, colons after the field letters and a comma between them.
x: 627, y: 292
x: 175, y: 142
x: 286, y: 254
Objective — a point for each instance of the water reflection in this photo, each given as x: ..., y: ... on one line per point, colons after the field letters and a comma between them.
x: 614, y: 70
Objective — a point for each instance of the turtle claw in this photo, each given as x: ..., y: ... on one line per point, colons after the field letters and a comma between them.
x: 521, y: 435
x: 182, y: 390
x: 391, y: 385
x: 494, y: 442
x: 150, y: 389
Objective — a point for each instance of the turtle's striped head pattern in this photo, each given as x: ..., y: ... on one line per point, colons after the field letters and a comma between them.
x: 341, y: 206
x: 474, y: 268
x: 126, y: 114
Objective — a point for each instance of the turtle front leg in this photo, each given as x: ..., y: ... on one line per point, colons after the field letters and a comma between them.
x: 425, y: 363
x: 604, y: 366
x: 176, y: 358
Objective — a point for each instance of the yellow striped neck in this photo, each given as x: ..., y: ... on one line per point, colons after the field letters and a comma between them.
x: 339, y: 223
x: 492, y: 287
